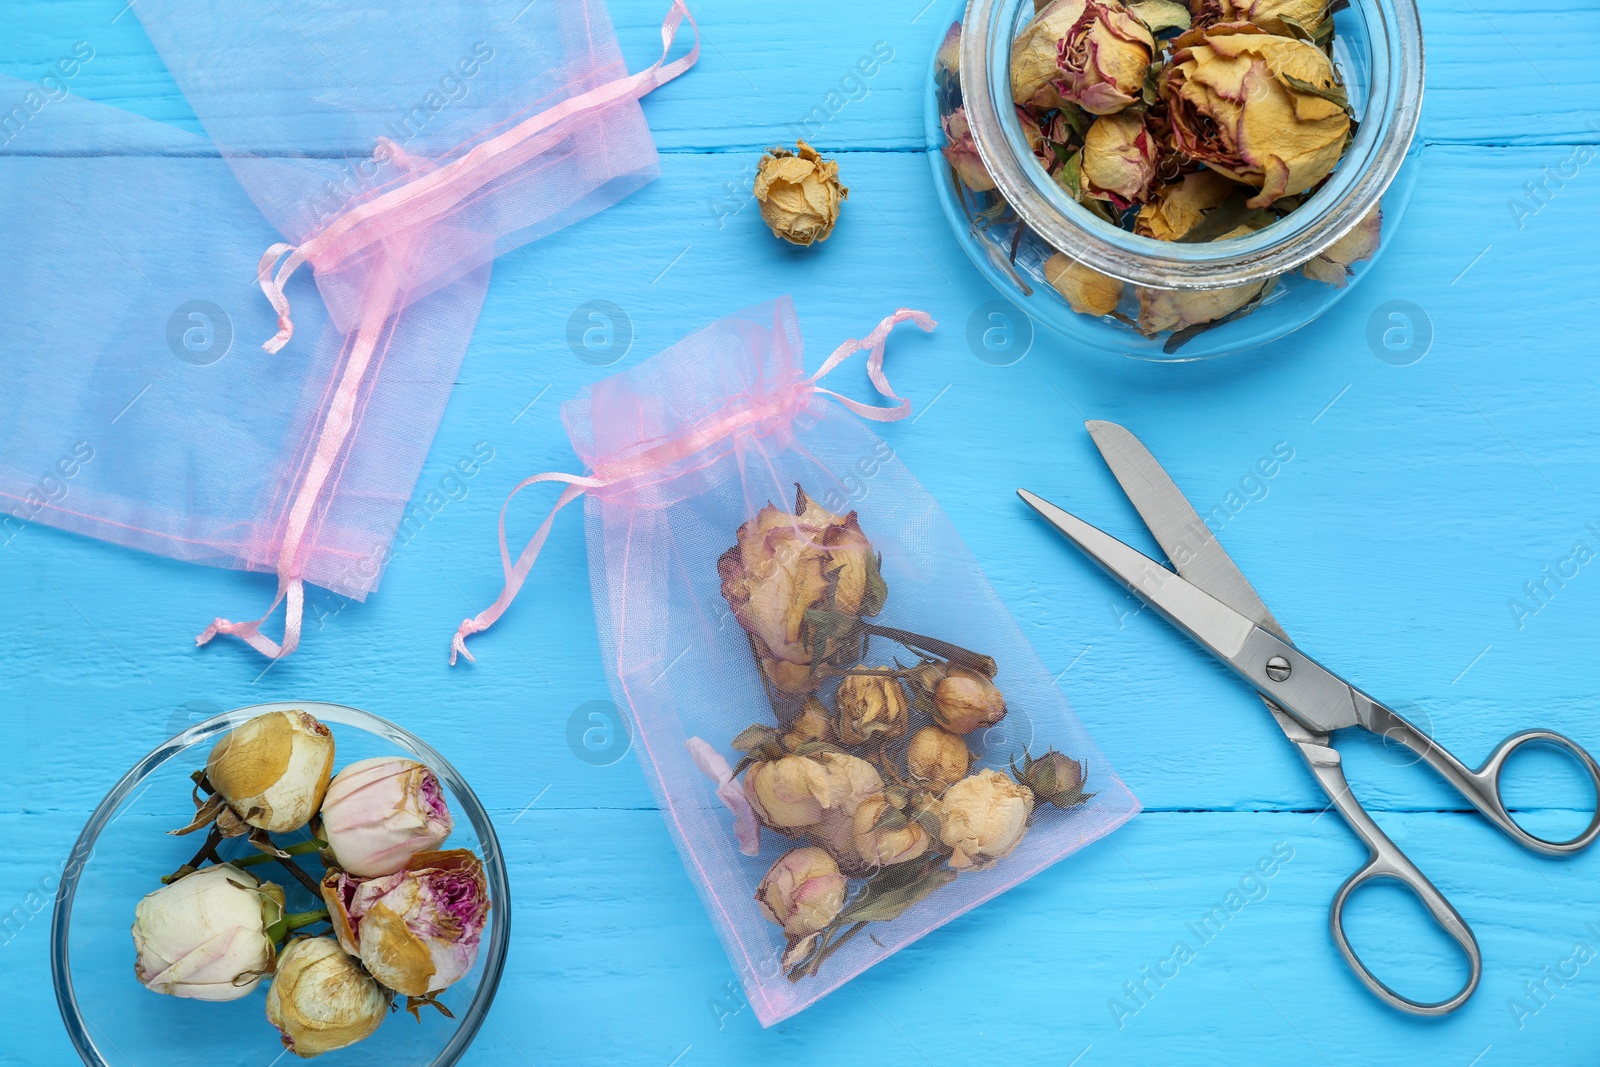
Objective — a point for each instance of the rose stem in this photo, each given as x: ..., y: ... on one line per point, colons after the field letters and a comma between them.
x: 830, y: 949
x: 966, y: 657
x: 299, y: 919
x: 299, y: 849
x: 300, y: 876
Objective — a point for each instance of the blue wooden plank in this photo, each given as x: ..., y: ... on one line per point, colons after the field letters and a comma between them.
x: 1420, y: 501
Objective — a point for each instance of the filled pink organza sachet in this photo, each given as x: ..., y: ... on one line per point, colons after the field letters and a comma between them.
x: 850, y: 738
x: 395, y: 150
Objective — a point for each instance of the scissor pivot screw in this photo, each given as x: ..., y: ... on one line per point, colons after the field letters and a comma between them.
x: 1278, y: 669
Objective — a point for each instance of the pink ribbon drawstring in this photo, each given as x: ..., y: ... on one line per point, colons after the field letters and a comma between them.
x: 678, y: 449
x: 427, y: 195
x: 427, y: 198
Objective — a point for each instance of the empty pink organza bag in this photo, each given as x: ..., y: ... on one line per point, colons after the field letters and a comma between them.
x: 396, y: 150
x: 845, y: 729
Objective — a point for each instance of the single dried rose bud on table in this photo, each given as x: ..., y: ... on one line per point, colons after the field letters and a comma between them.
x: 205, y: 936
x: 272, y: 771
x: 799, y: 194
x: 984, y: 817
x: 418, y: 930
x: 378, y: 813
x: 321, y: 999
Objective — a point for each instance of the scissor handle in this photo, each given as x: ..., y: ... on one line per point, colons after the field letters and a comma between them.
x: 1481, y: 787
x: 1388, y: 862
x: 1385, y: 860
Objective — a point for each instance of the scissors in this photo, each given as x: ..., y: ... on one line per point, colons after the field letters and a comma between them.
x: 1209, y: 599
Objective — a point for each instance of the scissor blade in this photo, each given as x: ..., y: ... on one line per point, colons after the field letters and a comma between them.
x: 1190, y: 608
x: 1176, y: 526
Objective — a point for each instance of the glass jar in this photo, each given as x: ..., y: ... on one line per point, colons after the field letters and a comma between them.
x: 1013, y: 231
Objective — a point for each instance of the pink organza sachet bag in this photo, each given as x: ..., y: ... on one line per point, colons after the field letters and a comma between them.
x: 850, y: 738
x: 396, y: 150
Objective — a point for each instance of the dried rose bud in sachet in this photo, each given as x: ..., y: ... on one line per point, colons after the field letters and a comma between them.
x: 852, y: 741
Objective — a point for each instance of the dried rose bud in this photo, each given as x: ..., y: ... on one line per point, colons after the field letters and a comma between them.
x: 803, y: 892
x: 417, y: 930
x: 884, y: 835
x: 965, y: 701
x: 949, y: 55
x: 937, y: 758
x: 785, y: 566
x: 799, y: 194
x: 983, y: 818
x: 871, y: 706
x: 1333, y: 266
x: 273, y: 769
x: 1119, y: 159
x: 1093, y: 53
x: 793, y: 793
x: 378, y: 813
x: 205, y: 936
x: 1053, y: 778
x: 321, y: 999
x: 1178, y: 309
x: 810, y: 726
x: 1280, y: 17
x: 1178, y: 207
x: 1263, y: 110
x: 1086, y: 289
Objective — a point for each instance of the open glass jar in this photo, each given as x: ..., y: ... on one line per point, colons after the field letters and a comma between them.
x: 1029, y: 226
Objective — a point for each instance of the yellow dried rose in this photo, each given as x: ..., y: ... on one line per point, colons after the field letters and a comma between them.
x: 1119, y: 159
x: 965, y: 700
x: 273, y: 771
x: 936, y: 758
x: 1281, y: 17
x: 983, y: 817
x: 1093, y: 53
x: 799, y: 193
x: 1333, y: 265
x: 871, y: 706
x: 810, y: 725
x: 1264, y: 110
x: 803, y: 892
x: 884, y: 835
x: 786, y: 565
x: 793, y: 793
x: 1176, y: 208
x: 1086, y: 289
x: 1178, y: 309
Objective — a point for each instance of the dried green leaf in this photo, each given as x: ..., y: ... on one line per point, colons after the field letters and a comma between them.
x: 881, y: 905
x: 754, y: 736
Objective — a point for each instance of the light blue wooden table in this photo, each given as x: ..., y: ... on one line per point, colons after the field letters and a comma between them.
x: 1419, y: 502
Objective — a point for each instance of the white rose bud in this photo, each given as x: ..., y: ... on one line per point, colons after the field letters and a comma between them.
x: 803, y: 892
x: 321, y: 999
x: 984, y: 817
x: 378, y: 813
x: 273, y: 770
x: 205, y: 935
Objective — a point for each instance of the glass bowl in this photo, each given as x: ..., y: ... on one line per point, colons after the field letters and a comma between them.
x: 1010, y: 233
x: 123, y: 853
